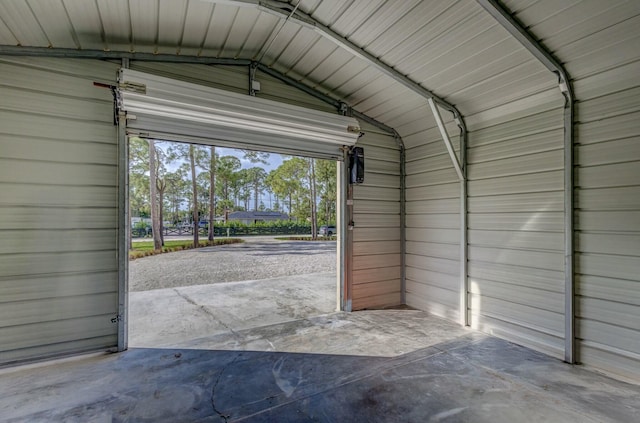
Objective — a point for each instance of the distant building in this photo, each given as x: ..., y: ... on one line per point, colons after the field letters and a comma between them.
x: 250, y: 217
x: 136, y: 220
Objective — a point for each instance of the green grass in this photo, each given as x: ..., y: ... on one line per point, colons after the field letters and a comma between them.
x: 145, y: 248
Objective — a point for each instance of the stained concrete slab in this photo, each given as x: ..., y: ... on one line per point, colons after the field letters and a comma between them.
x: 340, y: 367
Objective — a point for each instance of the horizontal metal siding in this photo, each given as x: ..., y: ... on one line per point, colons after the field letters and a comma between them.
x: 608, y: 206
x: 58, y: 208
x: 433, y: 224
x: 597, y: 43
x: 376, y: 232
x: 516, y: 224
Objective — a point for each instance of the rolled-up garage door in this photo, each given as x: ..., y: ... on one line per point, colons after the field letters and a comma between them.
x: 164, y: 108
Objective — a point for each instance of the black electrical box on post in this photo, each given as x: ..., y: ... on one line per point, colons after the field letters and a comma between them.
x: 356, y: 165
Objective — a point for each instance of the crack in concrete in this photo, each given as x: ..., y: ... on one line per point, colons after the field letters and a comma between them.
x: 208, y: 313
x: 224, y: 417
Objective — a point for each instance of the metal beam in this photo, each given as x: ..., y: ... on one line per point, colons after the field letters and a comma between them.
x: 403, y: 223
x: 518, y: 31
x: 123, y: 231
x: 299, y: 85
x: 69, y: 53
x: 464, y: 227
x: 461, y: 170
x: 445, y: 138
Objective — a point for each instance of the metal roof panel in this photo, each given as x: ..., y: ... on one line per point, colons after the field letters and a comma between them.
x: 381, y: 20
x: 262, y: 28
x: 116, y: 22
x: 57, y: 25
x: 24, y: 26
x: 85, y: 22
x: 144, y: 25
x: 197, y: 19
x: 6, y: 36
x: 420, y: 17
x: 244, y: 21
x: 171, y: 24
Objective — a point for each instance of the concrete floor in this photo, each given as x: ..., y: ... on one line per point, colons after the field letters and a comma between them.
x: 171, y: 316
x: 371, y: 366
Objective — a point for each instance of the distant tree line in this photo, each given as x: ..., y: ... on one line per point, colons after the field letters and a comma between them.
x: 189, y: 183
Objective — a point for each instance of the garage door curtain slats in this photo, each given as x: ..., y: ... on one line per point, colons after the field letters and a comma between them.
x: 180, y: 111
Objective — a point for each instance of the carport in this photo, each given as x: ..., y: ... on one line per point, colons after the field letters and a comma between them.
x: 502, y: 164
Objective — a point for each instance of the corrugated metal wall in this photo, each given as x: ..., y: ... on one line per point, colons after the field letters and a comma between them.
x: 515, y: 267
x: 515, y: 222
x: 376, y: 233
x: 598, y: 46
x: 58, y: 208
x: 376, y: 237
x: 605, y: 65
x: 515, y: 198
x: 433, y: 222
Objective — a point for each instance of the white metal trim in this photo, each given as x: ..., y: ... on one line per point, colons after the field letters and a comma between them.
x: 445, y: 138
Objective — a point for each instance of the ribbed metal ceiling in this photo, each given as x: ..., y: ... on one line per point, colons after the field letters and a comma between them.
x: 452, y: 48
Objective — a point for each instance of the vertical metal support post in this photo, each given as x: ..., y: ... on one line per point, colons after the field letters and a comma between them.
x: 464, y: 248
x: 460, y: 168
x: 569, y: 260
x: 123, y: 232
x: 340, y: 226
x: 520, y: 33
x: 346, y: 236
x: 123, y: 235
x: 403, y: 225
x: 123, y: 259
x: 349, y: 258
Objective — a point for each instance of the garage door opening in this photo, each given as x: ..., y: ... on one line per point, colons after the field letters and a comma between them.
x: 201, y: 117
x: 257, y: 263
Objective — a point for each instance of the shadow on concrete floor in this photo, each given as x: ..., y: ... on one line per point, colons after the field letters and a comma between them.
x: 340, y: 368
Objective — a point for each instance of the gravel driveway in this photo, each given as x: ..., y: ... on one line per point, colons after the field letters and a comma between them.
x: 256, y: 258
